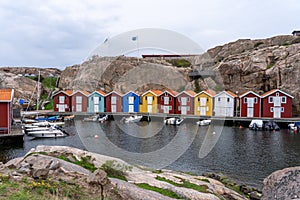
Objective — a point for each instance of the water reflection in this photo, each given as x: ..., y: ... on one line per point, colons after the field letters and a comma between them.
x: 244, y: 155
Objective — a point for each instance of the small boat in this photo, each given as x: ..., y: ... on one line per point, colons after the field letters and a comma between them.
x: 173, y: 121
x: 294, y: 126
x: 256, y: 125
x: 271, y: 126
x: 50, y: 133
x: 133, y: 118
x: 204, y: 122
x: 53, y: 118
x: 39, y: 128
x: 46, y: 123
x: 103, y: 118
x: 26, y: 120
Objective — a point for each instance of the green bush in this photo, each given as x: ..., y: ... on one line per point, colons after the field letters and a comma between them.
x: 49, y: 82
x: 180, y: 63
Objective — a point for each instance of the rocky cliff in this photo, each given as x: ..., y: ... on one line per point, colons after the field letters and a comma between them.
x: 240, y: 66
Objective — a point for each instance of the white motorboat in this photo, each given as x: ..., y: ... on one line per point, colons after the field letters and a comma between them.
x: 103, y: 118
x: 39, y: 128
x: 173, y: 121
x: 26, y: 120
x: 133, y: 118
x: 256, y: 124
x: 294, y: 126
x: 204, y: 122
x: 50, y: 133
x: 46, y: 123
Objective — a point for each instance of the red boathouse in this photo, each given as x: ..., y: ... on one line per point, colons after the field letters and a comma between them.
x: 6, y: 114
x: 277, y: 104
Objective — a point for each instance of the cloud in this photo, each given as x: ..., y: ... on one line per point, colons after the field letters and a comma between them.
x: 62, y: 33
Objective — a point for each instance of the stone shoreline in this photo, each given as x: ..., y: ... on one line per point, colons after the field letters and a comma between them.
x: 59, y: 163
x: 105, y: 177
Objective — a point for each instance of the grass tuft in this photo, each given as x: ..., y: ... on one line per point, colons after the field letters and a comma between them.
x: 185, y: 184
x: 164, y: 192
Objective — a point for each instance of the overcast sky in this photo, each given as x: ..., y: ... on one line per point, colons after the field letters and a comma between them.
x: 57, y: 33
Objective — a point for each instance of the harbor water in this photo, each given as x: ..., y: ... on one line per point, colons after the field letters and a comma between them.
x: 243, y: 155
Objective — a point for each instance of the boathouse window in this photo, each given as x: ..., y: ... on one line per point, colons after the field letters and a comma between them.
x: 245, y: 100
x: 271, y: 109
x: 271, y: 100
x: 228, y: 99
x: 188, y: 99
x: 255, y: 99
x: 282, y: 109
x: 277, y: 94
x: 219, y: 99
x: 283, y: 99
x: 198, y: 98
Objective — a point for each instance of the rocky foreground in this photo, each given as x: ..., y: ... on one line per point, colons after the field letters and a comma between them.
x: 93, y: 176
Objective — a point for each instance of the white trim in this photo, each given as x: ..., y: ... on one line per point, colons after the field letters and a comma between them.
x: 204, y: 93
x: 277, y: 90
x: 97, y: 93
x: 149, y: 91
x: 79, y: 91
x: 249, y: 93
x: 130, y: 92
x: 114, y: 93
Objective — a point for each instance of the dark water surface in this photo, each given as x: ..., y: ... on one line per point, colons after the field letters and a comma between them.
x: 243, y: 155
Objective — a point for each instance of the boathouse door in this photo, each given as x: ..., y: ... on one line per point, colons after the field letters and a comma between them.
x: 203, y: 101
x: 131, y: 102
x: 96, y: 104
x: 250, y: 107
x: 113, y: 108
x: 202, y: 110
x: 277, y: 107
x: 130, y: 108
x: 166, y: 109
x: 183, y: 110
x: 61, y: 108
x: 78, y: 103
x: 150, y: 101
x: 277, y: 112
